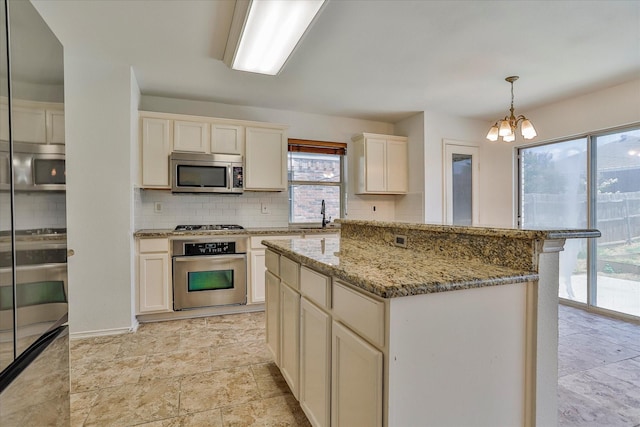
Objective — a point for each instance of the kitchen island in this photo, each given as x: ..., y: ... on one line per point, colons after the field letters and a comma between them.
x: 397, y: 324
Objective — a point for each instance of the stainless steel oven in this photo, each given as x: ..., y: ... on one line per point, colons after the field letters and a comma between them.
x: 41, y: 283
x: 209, y: 271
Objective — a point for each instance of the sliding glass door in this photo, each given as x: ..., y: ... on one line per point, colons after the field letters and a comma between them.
x: 593, y: 181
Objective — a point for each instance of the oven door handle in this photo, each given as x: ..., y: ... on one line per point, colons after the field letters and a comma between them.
x: 208, y: 257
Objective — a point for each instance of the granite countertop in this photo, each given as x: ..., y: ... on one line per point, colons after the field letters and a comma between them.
x: 486, y: 231
x: 391, y: 272
x: 257, y: 231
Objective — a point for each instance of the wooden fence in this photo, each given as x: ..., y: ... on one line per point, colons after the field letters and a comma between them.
x: 617, y: 217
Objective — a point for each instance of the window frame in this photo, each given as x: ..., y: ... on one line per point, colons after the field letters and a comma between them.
x: 341, y: 184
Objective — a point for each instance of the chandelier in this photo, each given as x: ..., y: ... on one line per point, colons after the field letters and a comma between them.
x: 506, y: 128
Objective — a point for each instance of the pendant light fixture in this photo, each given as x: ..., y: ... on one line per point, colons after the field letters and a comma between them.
x: 506, y: 128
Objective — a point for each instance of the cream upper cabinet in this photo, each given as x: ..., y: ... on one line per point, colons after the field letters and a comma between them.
x: 55, y: 126
x: 263, y: 145
x: 34, y: 122
x: 154, y: 285
x: 156, y: 140
x: 265, y: 159
x: 191, y: 136
x: 227, y: 138
x: 381, y: 164
x: 28, y: 124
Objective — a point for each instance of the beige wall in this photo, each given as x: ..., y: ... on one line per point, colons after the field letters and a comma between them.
x: 604, y: 109
x: 98, y: 125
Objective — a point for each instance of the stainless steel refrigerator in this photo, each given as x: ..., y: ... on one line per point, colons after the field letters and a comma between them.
x: 34, y: 342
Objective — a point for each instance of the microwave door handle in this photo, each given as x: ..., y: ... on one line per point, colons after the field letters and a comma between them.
x: 230, y: 177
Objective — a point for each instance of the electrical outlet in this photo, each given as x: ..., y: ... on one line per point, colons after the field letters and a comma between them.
x: 264, y: 208
x: 157, y: 207
x: 400, y: 240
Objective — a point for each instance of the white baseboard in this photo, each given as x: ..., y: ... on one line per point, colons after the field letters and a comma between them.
x: 104, y: 332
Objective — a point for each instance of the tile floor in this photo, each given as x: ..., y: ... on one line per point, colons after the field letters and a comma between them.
x: 598, y: 370
x: 216, y: 371
x: 201, y: 372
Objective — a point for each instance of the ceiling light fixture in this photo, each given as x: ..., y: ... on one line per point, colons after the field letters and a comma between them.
x: 506, y: 128
x: 264, y: 33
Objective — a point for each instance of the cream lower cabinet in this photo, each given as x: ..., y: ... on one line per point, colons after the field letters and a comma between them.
x: 315, y: 363
x: 356, y: 380
x: 290, y: 336
x: 256, y: 293
x: 154, y: 285
x: 272, y: 291
x: 334, y: 372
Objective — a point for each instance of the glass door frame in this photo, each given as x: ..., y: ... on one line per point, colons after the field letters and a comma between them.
x: 449, y: 148
x: 592, y: 205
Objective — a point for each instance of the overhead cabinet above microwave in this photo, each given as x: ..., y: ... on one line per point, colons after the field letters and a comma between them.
x: 33, y: 122
x: 262, y: 145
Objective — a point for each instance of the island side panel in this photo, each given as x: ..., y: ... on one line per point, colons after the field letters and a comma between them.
x: 546, y: 347
x: 459, y: 358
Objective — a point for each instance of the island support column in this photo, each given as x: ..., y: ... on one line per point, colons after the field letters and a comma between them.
x: 544, y: 327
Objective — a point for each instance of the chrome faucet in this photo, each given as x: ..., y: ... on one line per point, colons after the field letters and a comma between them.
x: 323, y: 211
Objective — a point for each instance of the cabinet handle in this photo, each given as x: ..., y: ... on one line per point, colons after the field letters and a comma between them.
x: 70, y: 253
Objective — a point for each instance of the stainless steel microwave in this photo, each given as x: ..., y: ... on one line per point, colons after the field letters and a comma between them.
x: 36, y: 167
x: 206, y: 173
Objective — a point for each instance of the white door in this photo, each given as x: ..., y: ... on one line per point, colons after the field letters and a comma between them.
x: 461, y: 182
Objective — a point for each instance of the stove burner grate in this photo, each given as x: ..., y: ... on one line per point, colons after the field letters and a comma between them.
x: 215, y: 227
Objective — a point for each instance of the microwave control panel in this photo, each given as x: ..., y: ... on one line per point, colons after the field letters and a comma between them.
x: 238, y: 181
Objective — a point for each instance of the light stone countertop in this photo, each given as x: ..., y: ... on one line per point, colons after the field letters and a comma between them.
x: 437, y: 258
x: 391, y: 272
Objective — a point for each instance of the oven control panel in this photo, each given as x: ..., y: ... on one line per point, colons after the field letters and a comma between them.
x: 209, y: 248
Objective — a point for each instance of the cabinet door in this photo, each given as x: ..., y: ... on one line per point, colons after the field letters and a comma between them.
x: 396, y: 166
x: 228, y: 139
x: 156, y: 148
x: 265, y: 159
x: 256, y: 282
x: 55, y: 127
x: 315, y: 363
x: 356, y: 380
x: 28, y: 125
x: 375, y: 166
x: 272, y: 296
x: 289, y: 336
x: 154, y: 288
x: 191, y: 136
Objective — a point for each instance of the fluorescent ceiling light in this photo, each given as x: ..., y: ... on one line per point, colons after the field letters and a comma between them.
x: 265, y: 32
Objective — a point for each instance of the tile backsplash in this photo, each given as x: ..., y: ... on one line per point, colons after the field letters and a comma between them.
x: 244, y: 209
x: 35, y: 210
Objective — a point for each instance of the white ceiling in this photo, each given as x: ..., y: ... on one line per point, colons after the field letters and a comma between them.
x: 373, y: 59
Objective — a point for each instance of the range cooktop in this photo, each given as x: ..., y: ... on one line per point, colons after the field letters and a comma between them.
x: 215, y: 227
x: 35, y: 232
